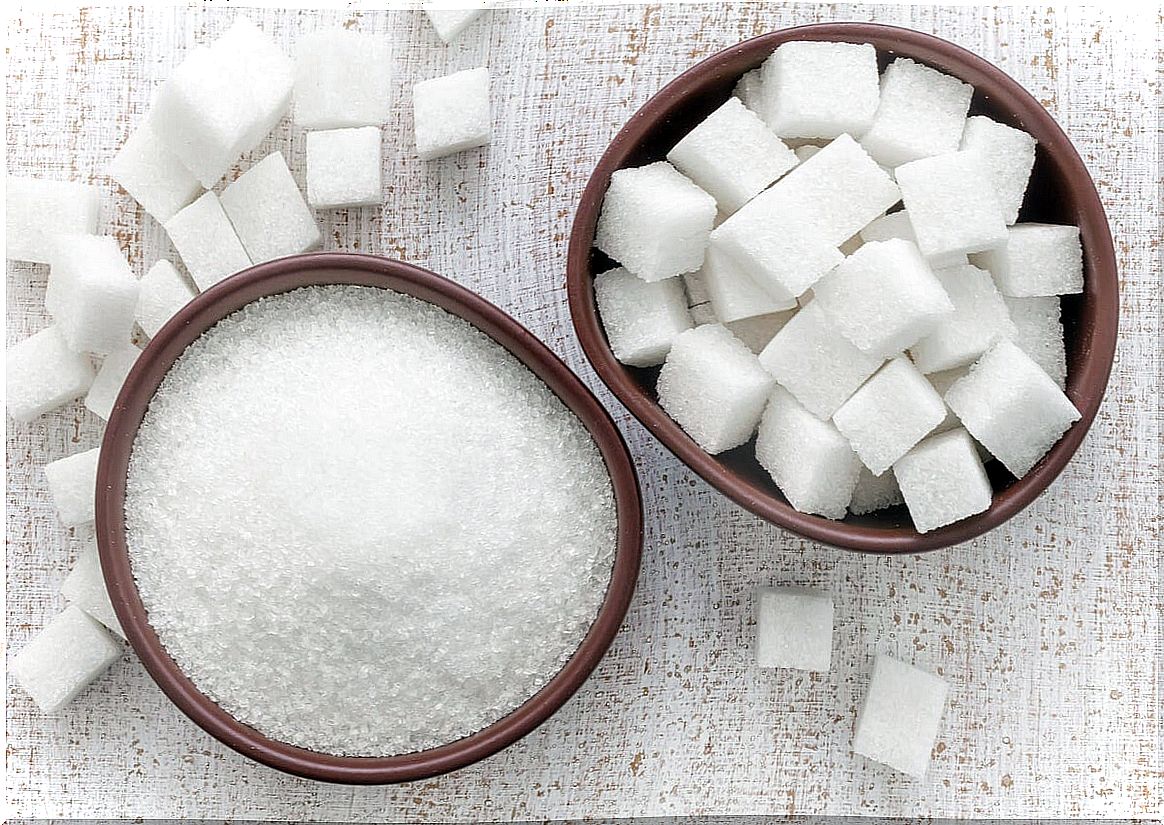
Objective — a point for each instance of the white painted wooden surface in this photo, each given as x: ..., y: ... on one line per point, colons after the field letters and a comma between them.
x: 1048, y: 629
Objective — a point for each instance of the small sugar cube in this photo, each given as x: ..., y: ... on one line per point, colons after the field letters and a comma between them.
x: 39, y: 209
x: 884, y: 297
x: 207, y: 242
x: 163, y: 291
x: 732, y: 155
x: 874, y: 493
x: 342, y: 79
x: 641, y: 318
x: 811, y: 359
x: 819, y: 89
x: 1012, y: 407
x: 268, y: 212
x: 714, y: 387
x: 748, y: 90
x: 85, y: 588
x: 91, y: 293
x: 1039, y: 333
x: 733, y: 293
x: 980, y: 317
x: 810, y: 461
x: 655, y: 222
x: 450, y: 23
x: 266, y: 72
x: 952, y: 204
x: 43, y: 373
x: 889, y: 414
x: 106, y: 386
x: 1037, y: 260
x: 897, y: 225
x: 70, y: 652
x: 921, y: 112
x: 343, y: 168
x: 72, y: 482
x: 794, y: 628
x: 451, y: 113
x: 1008, y: 154
x: 899, y: 722
x: 695, y: 288
x: 759, y: 331
x: 942, y: 480
x: 153, y: 175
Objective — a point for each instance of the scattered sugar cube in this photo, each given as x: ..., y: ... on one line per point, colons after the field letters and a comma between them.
x: 921, y: 112
x: 106, y: 386
x: 810, y: 461
x: 153, y: 175
x: 1008, y: 154
x: 70, y: 652
x: 206, y: 240
x: 268, y: 212
x: 163, y: 291
x: 889, y: 414
x: 897, y: 225
x: 1012, y: 407
x: 942, y: 480
x: 952, y: 204
x: 818, y: 89
x: 900, y: 719
x: 85, y: 588
x: 702, y: 314
x: 343, y: 168
x: 714, y: 387
x: 450, y: 23
x: 748, y: 90
x: 884, y: 297
x: 266, y: 72
x: 980, y: 317
x: 91, y: 293
x: 734, y: 295
x: 1039, y: 333
x: 641, y: 318
x: 342, y: 78
x: 794, y: 628
x: 72, y: 482
x: 732, y: 155
x: 812, y: 360
x: 1037, y: 260
x: 695, y: 288
x: 451, y: 113
x: 655, y: 221
x: 43, y: 373
x: 803, y: 153
x: 757, y: 332
x: 38, y: 209
x: 874, y: 493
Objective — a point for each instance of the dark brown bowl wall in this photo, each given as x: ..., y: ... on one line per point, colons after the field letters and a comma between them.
x: 339, y: 268
x: 1061, y: 191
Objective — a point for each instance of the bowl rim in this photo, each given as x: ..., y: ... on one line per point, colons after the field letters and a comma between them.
x: 274, y: 277
x: 1087, y: 382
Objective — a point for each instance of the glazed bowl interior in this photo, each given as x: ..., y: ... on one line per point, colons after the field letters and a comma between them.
x: 338, y: 268
x: 1060, y: 191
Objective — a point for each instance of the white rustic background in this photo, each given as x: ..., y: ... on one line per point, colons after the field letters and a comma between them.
x: 1048, y: 629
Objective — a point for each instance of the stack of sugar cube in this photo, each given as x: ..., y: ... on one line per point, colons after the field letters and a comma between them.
x: 866, y: 306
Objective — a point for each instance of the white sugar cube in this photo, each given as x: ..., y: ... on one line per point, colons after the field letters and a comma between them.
x: 70, y: 652
x: 897, y: 225
x: 758, y: 332
x: 207, y: 242
x: 810, y: 461
x: 1008, y: 154
x: 268, y: 212
x: 942, y: 480
x: 42, y: 373
x: 342, y: 78
x: 714, y: 387
x: 732, y: 155
x: 874, y: 493
x: 884, y: 297
x: 702, y: 314
x: 655, y: 222
x: 794, y: 628
x: 153, y: 175
x: 1036, y: 260
x: 163, y: 291
x: 451, y: 113
x: 803, y: 153
x: 733, y: 293
x: 450, y: 23
x: 889, y: 414
x: 1039, y: 333
x: 39, y: 209
x: 343, y: 168
x: 91, y: 293
x: 818, y: 89
x: 980, y: 317
x: 899, y: 722
x: 266, y: 72
x: 748, y: 90
x: 106, y: 386
x: 921, y: 112
x: 85, y: 588
x: 695, y: 288
x: 818, y: 365
x: 952, y: 204
x: 72, y: 482
x: 1012, y: 407
x: 641, y: 318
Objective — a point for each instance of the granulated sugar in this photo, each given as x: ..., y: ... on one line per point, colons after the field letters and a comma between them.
x: 363, y: 527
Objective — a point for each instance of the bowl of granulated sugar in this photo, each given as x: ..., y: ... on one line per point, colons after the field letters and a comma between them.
x: 360, y: 524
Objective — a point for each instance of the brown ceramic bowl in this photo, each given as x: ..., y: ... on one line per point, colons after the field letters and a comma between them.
x: 339, y: 268
x: 1061, y: 191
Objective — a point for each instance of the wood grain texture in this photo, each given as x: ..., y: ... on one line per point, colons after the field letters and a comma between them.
x: 1048, y: 629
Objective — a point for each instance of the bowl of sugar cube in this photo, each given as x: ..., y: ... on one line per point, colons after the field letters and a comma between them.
x: 857, y: 279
